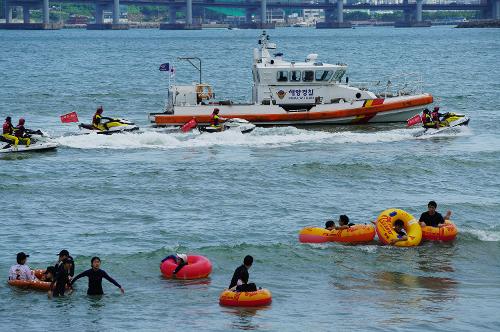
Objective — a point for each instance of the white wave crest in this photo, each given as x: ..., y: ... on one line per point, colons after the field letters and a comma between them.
x: 260, y: 137
x: 484, y: 235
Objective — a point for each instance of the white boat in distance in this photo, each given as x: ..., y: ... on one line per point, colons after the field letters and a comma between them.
x: 296, y: 93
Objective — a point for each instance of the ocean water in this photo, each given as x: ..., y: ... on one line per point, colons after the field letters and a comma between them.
x: 133, y: 199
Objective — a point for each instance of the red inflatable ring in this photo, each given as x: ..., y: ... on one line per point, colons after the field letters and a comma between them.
x: 198, y: 267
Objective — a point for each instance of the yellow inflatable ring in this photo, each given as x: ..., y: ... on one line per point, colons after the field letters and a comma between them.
x: 445, y: 233
x: 386, y: 233
x: 353, y: 234
x: 259, y: 298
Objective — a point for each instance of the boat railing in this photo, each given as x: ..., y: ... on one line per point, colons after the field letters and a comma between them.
x: 403, y: 84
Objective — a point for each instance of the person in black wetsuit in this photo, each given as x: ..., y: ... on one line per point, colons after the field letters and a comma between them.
x: 240, y: 277
x: 64, y: 254
x: 180, y: 259
x: 432, y: 217
x: 62, y: 279
x: 95, y: 275
x: 399, y: 229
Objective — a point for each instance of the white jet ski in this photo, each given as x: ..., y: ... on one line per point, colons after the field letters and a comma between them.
x: 39, y: 143
x: 238, y: 124
x: 115, y: 126
x: 448, y: 122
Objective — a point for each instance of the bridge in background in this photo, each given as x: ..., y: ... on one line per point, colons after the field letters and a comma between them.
x: 334, y: 18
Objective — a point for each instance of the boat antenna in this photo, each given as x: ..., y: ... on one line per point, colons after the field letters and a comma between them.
x: 190, y: 60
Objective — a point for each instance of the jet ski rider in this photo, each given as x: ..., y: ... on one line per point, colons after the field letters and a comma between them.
x: 435, y: 115
x: 215, y: 119
x: 8, y: 131
x: 427, y: 120
x: 96, y: 120
x: 22, y: 133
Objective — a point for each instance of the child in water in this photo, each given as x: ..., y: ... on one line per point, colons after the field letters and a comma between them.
x: 330, y: 225
x: 400, y: 231
x: 95, y: 275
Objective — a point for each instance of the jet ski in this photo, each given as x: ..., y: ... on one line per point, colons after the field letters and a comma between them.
x: 234, y: 124
x: 114, y: 126
x: 448, y: 122
x: 39, y: 143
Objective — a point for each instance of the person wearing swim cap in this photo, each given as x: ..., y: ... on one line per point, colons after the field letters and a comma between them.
x: 180, y: 259
x: 95, y: 275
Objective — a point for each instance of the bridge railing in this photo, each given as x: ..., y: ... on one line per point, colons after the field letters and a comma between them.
x: 401, y: 84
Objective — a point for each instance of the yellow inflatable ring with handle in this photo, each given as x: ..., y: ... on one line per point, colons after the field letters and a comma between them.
x: 385, y: 228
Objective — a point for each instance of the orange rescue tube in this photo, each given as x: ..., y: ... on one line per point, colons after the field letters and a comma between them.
x: 259, y: 298
x: 353, y: 234
x: 386, y: 233
x: 445, y: 233
x: 198, y: 267
x: 32, y: 284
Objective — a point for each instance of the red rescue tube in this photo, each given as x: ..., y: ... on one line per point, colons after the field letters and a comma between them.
x: 198, y: 267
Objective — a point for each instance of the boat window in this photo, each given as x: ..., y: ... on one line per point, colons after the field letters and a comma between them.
x: 295, y: 76
x: 323, y: 75
x: 338, y: 74
x: 282, y: 76
x: 308, y: 76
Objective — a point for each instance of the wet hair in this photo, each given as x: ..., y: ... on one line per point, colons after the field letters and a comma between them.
x: 344, y: 220
x: 399, y: 223
x: 329, y: 223
x: 50, y: 269
x: 248, y: 260
x: 95, y: 258
x: 433, y: 204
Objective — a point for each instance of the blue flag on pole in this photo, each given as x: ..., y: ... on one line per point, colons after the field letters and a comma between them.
x: 165, y: 67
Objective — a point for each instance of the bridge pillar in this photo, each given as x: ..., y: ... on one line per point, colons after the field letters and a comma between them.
x: 116, y: 11
x: 8, y: 12
x: 263, y: 11
x: 496, y: 10
x: 172, y: 14
x: 26, y: 14
x: 329, y: 13
x: 189, y: 12
x: 99, y: 13
x: 45, y: 10
x: 419, y: 10
x: 340, y: 11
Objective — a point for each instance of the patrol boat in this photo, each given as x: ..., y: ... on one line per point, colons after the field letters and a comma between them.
x: 296, y: 93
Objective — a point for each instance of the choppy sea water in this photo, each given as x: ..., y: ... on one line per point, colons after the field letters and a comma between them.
x: 132, y: 199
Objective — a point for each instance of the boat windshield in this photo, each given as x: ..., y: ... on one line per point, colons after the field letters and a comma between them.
x: 323, y: 75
